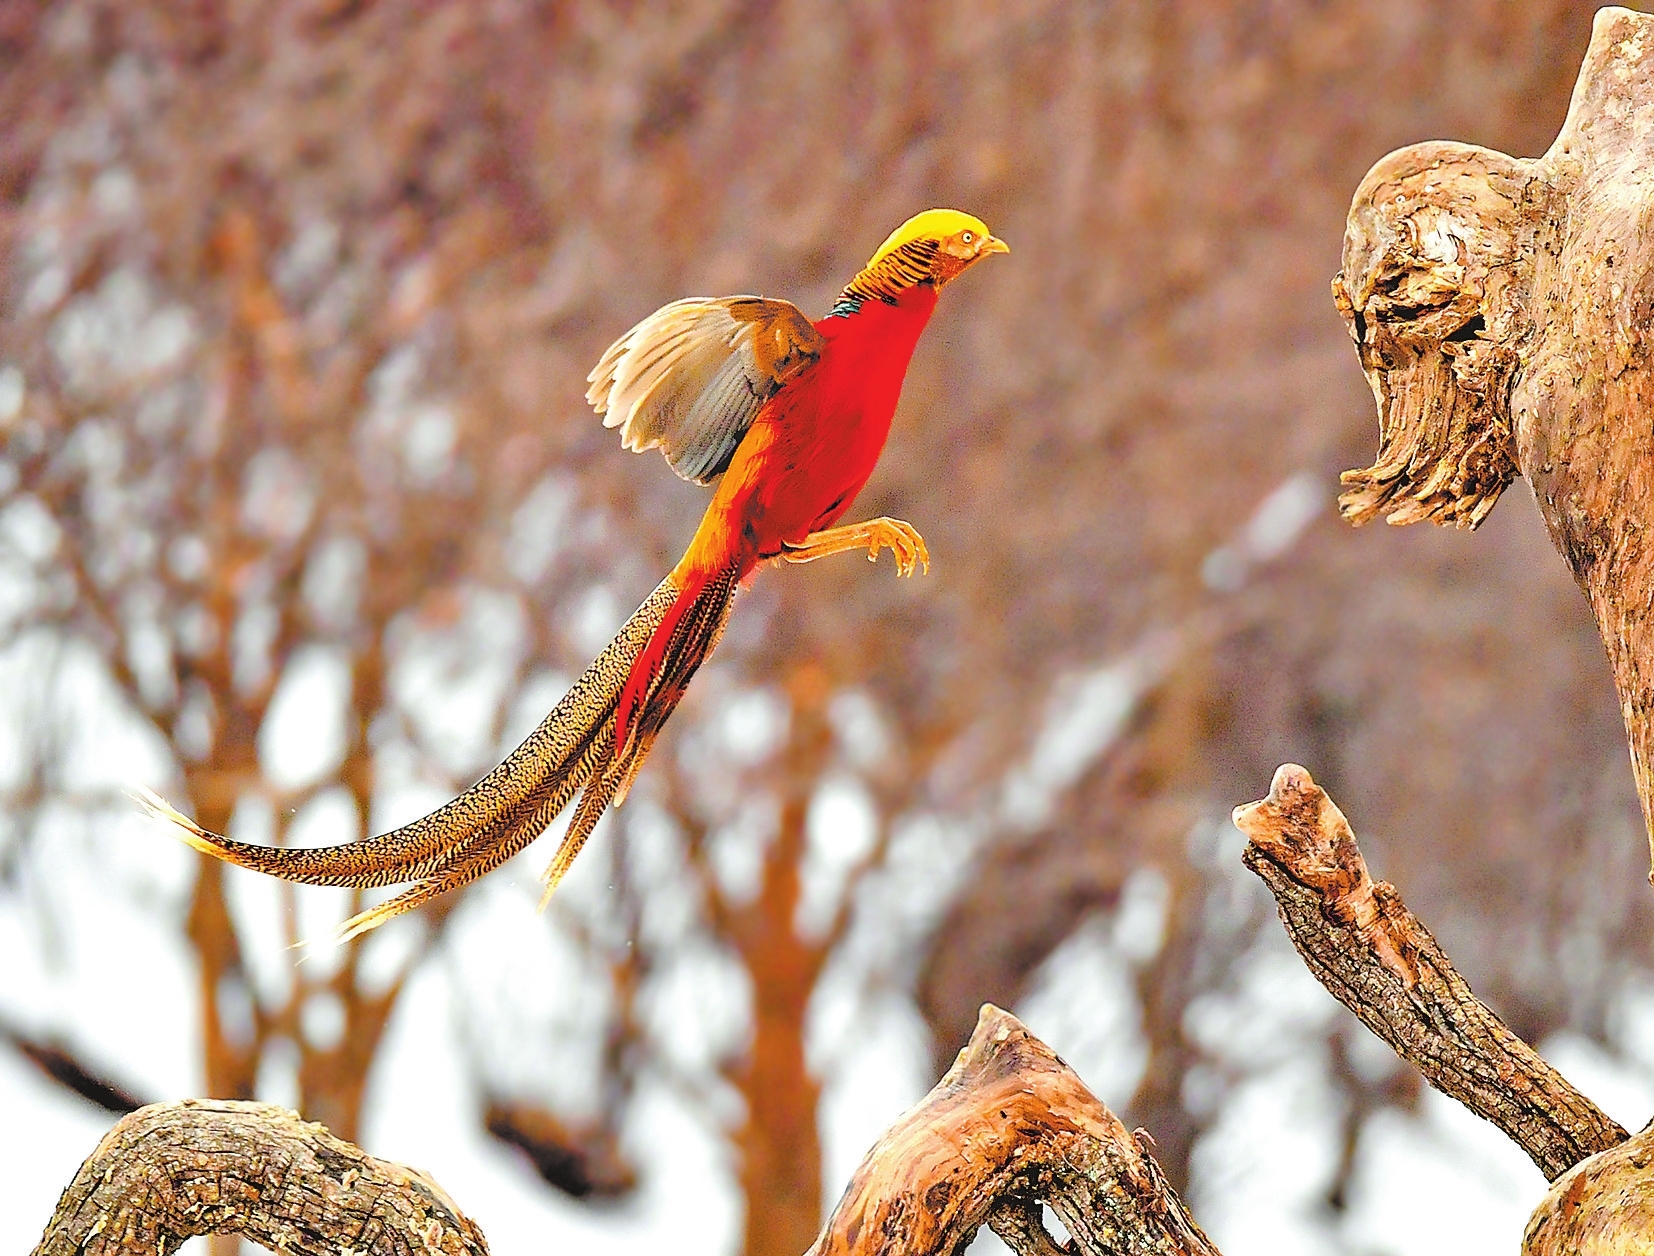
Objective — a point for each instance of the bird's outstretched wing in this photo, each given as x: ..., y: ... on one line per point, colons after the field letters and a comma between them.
x: 692, y: 376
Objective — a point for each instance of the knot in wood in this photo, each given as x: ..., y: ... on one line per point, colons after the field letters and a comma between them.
x: 1433, y: 245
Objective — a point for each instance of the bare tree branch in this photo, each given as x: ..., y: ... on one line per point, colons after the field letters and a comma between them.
x: 1378, y: 960
x: 59, y: 1061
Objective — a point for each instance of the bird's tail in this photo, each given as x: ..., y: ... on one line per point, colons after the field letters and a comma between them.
x: 655, y: 682
x: 574, y: 746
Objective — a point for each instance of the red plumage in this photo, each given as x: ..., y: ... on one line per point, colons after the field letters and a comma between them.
x: 806, y: 456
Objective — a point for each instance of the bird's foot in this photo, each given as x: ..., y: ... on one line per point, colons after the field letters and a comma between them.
x: 901, y: 539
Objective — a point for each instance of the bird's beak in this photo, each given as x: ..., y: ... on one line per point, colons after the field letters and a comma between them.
x: 993, y: 244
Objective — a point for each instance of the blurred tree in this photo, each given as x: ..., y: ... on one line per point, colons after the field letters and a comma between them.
x: 298, y: 303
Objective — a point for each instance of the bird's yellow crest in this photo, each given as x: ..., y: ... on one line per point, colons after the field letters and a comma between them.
x: 933, y: 224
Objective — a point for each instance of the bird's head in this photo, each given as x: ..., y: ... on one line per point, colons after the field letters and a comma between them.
x: 949, y: 240
x: 933, y: 248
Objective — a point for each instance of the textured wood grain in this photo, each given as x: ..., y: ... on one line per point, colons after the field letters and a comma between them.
x: 1008, y: 1127
x: 169, y: 1172
x: 1377, y: 959
x: 1502, y: 308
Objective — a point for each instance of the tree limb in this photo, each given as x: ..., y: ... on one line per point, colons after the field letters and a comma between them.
x: 58, y: 1061
x: 172, y: 1171
x: 1378, y: 960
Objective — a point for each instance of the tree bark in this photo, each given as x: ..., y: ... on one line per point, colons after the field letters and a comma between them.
x: 1008, y: 1127
x: 170, y: 1172
x: 1502, y: 308
x: 1378, y: 960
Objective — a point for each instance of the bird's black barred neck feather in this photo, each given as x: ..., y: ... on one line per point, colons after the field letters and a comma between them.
x: 902, y: 268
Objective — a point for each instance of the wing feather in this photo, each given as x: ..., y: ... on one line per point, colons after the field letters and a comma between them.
x: 724, y: 410
x: 691, y: 377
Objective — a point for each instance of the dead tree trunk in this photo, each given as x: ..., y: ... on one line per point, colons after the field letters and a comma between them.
x: 1503, y: 310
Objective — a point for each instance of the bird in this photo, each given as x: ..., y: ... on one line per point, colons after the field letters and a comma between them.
x: 786, y: 418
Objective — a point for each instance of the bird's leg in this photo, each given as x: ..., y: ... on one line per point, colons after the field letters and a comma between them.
x: 901, y: 539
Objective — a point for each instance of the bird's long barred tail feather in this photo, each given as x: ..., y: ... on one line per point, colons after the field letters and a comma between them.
x: 512, y: 805
x: 487, y: 850
x: 692, y: 632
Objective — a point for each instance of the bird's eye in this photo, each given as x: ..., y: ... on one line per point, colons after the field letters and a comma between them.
x: 967, y: 237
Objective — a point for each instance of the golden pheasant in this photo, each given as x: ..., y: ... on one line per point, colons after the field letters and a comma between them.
x: 793, y: 416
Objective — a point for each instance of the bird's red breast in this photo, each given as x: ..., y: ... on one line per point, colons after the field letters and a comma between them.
x: 814, y: 444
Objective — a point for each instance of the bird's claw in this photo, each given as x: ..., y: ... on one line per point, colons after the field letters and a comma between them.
x: 899, y: 538
x: 904, y: 543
